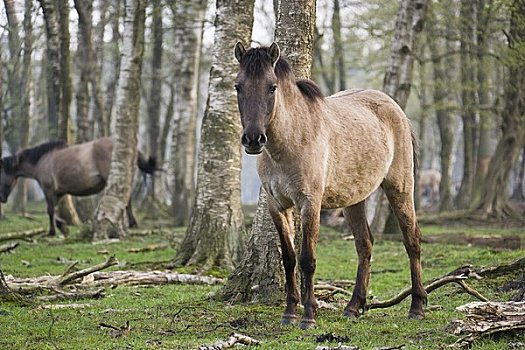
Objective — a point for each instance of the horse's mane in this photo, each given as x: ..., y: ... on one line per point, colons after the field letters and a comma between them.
x: 33, y: 154
x: 256, y: 60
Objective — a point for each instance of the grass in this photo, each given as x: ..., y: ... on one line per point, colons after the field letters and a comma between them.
x: 185, y: 316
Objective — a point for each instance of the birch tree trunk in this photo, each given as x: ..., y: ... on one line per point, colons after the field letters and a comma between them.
x: 110, y: 215
x: 260, y: 276
x: 398, y: 77
x: 84, y: 61
x: 216, y: 234
x: 188, y: 17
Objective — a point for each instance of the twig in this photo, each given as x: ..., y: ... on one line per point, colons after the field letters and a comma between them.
x: 331, y: 288
x: 234, y: 338
x: 21, y: 235
x: 63, y: 280
x: 472, y: 291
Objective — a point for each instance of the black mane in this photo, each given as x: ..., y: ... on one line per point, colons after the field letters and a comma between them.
x: 256, y: 60
x: 33, y: 155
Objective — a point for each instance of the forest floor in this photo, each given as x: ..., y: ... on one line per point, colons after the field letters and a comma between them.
x: 185, y: 316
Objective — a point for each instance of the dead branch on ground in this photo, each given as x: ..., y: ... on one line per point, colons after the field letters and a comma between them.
x: 459, y: 276
x: 485, y: 318
x: 68, y: 277
x: 24, y: 235
x: 4, y: 248
x: 494, y: 271
x: 234, y: 338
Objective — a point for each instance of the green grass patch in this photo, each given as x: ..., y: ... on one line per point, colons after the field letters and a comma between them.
x: 185, y: 316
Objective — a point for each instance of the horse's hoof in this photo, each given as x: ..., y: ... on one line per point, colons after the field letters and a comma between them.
x: 288, y: 320
x: 307, y: 324
x: 416, y: 315
x: 351, y: 314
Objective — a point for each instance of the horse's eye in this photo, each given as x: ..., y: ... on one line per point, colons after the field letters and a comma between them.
x: 273, y: 88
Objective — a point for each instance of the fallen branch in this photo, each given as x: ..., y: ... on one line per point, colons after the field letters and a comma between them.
x: 234, y: 338
x: 494, y: 271
x: 485, y: 318
x: 21, y: 235
x: 68, y: 277
x: 61, y: 295
x: 4, y: 248
x: 458, y: 276
x: 332, y: 289
x: 149, y: 248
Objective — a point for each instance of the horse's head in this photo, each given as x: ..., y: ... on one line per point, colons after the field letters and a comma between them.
x: 256, y: 83
x: 7, y: 177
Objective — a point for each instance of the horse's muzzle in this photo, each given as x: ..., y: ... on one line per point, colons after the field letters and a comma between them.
x: 253, y: 145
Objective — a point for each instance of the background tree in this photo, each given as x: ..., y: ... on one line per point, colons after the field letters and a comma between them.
x: 496, y: 202
x: 261, y: 265
x: 188, y: 17
x: 110, y: 215
x: 398, y: 78
x: 215, y: 236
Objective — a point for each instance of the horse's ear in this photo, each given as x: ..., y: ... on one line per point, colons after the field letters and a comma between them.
x: 239, y: 51
x: 275, y: 53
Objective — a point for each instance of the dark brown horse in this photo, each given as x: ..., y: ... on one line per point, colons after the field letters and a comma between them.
x: 78, y: 170
x: 332, y: 152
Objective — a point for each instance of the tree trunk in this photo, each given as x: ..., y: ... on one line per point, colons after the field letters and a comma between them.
x: 188, y: 16
x: 444, y: 118
x: 2, y: 217
x: 110, y: 215
x: 397, y: 82
x: 485, y: 149
x: 216, y: 234
x: 494, y: 195
x: 84, y: 61
x: 469, y: 103
x: 155, y: 96
x: 518, y: 194
x: 339, y: 59
x: 249, y: 282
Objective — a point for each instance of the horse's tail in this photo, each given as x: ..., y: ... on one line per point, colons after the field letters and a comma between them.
x: 415, y: 150
x: 148, y: 166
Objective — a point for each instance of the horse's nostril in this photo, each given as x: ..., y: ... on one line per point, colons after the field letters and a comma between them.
x: 245, y: 140
x: 263, y: 139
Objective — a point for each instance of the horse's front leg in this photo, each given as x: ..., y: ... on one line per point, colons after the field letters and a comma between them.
x: 356, y: 219
x: 283, y: 220
x: 310, y: 217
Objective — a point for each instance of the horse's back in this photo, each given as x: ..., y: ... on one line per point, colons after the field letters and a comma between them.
x: 371, y: 141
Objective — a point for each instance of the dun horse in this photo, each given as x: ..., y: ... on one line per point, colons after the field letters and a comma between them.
x: 333, y: 152
x: 79, y: 170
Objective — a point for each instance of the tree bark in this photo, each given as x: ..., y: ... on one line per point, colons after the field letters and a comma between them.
x: 188, y: 17
x: 110, y: 213
x: 216, y: 234
x: 397, y: 82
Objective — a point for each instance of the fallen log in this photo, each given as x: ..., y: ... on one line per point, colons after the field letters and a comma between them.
x: 146, y: 278
x: 485, y: 318
x: 24, y: 235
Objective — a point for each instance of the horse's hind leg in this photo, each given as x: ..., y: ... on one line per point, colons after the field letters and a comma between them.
x: 402, y: 203
x: 283, y: 220
x: 356, y: 217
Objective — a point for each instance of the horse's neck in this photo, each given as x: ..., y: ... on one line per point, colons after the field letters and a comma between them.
x: 292, y: 123
x: 27, y: 169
